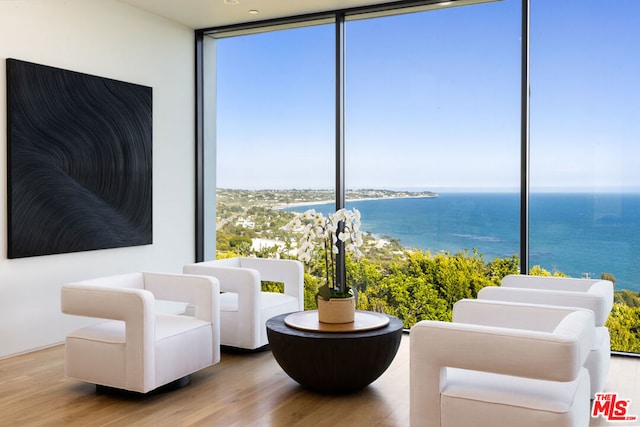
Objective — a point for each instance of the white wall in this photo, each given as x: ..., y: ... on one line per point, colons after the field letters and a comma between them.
x: 109, y: 39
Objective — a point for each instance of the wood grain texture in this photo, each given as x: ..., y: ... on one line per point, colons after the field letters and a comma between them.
x: 242, y: 390
x: 307, y: 320
x: 333, y: 362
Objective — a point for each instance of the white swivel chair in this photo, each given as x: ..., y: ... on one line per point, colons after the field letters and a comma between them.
x: 134, y: 347
x: 501, y: 364
x: 595, y: 295
x: 244, y: 308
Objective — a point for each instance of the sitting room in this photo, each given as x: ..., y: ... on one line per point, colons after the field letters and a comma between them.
x: 128, y: 185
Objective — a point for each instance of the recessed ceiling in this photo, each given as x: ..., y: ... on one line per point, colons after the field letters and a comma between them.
x: 199, y: 14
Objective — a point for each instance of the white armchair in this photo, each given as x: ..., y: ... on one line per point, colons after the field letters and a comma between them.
x: 244, y: 308
x: 501, y: 364
x: 136, y: 348
x: 595, y: 295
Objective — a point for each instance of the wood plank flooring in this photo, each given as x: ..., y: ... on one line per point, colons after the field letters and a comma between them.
x: 242, y: 390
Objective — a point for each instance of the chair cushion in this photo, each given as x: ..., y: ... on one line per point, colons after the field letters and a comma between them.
x: 268, y: 301
x: 172, y: 307
x: 228, y: 301
x: 112, y: 331
x: 169, y: 325
x: 273, y: 300
x: 499, y: 389
x: 509, y: 401
x: 231, y: 324
x: 100, y: 345
x: 183, y: 345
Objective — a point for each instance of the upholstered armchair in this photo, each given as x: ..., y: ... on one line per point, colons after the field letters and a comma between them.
x: 595, y: 295
x: 244, y: 308
x: 134, y: 347
x: 501, y: 364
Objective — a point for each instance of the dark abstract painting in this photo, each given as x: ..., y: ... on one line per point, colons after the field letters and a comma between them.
x: 79, y: 161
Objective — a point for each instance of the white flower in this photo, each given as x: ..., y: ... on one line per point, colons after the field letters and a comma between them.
x: 308, y: 214
x: 318, y: 231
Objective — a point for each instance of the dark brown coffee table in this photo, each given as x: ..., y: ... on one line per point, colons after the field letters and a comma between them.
x: 330, y: 359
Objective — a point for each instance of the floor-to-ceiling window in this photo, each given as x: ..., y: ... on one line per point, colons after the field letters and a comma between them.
x: 585, y: 149
x: 433, y: 104
x: 274, y: 132
x: 432, y: 148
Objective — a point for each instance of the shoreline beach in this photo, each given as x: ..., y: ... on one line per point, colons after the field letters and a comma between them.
x: 364, y: 199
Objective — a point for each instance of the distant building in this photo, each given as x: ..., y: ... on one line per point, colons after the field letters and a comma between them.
x: 245, y: 223
x: 259, y: 244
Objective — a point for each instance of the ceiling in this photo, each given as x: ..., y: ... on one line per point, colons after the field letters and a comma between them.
x: 198, y: 14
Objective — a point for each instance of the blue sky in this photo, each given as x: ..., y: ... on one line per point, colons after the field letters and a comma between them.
x: 433, y: 101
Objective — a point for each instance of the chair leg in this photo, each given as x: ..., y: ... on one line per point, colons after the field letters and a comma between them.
x: 238, y: 350
x: 173, y: 385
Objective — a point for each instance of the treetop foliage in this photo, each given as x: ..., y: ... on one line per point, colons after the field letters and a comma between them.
x: 412, y: 285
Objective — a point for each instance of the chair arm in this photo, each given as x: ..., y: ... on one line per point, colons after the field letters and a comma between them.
x: 133, y: 306
x: 125, y: 280
x: 517, y: 352
x: 516, y: 315
x: 243, y: 281
x: 554, y: 283
x: 530, y: 317
x: 290, y: 272
x: 435, y: 345
x: 601, y: 306
x: 199, y: 291
x: 107, y: 303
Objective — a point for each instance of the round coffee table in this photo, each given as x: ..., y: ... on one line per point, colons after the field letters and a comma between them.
x: 334, y: 361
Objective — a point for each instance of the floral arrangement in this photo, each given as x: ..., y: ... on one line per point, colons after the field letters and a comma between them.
x: 339, y: 229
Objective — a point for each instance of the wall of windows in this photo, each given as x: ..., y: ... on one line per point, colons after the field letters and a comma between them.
x: 585, y: 148
x: 433, y: 104
x: 273, y: 130
x: 432, y: 145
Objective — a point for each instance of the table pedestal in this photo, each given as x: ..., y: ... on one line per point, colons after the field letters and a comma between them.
x: 334, y: 362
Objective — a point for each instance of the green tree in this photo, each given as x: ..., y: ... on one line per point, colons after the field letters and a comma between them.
x: 362, y: 274
x: 410, y: 284
x: 408, y: 297
x: 627, y: 297
x: 311, y: 285
x: 420, y: 286
x: 500, y: 267
x: 608, y: 276
x: 536, y: 270
x: 624, y: 328
x: 455, y: 277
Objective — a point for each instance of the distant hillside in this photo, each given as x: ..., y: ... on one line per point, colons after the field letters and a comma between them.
x: 274, y: 198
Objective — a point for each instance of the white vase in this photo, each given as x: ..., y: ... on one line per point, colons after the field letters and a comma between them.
x: 336, y: 310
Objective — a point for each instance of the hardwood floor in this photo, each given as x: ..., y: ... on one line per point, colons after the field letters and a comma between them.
x: 242, y: 390
x: 624, y: 379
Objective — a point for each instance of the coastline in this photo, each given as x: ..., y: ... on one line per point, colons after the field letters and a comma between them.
x: 326, y: 202
x: 486, y: 222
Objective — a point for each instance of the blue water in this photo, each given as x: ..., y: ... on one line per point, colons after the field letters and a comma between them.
x: 576, y: 234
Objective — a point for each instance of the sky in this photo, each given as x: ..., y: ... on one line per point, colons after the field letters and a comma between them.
x: 433, y: 101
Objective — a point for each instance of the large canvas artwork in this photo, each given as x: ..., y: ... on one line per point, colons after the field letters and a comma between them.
x: 79, y: 161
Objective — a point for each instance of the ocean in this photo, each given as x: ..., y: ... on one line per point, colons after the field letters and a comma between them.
x: 577, y: 234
